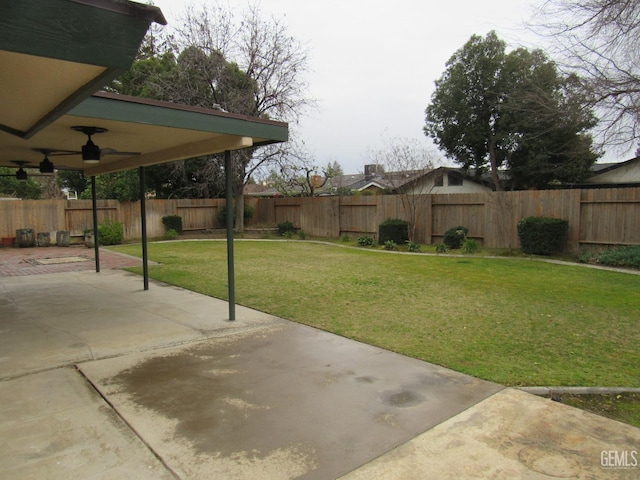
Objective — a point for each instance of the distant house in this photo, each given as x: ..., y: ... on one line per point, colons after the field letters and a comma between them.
x: 449, y: 180
x: 375, y: 180
x: 372, y: 182
x: 624, y: 174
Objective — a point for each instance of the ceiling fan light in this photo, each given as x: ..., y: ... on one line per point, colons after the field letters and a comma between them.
x: 90, y: 152
x: 21, y: 174
x: 46, y: 166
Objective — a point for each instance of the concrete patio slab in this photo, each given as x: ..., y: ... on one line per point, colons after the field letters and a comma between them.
x: 188, y: 394
x: 53, y: 425
x: 283, y: 402
x: 60, y: 319
x: 514, y: 435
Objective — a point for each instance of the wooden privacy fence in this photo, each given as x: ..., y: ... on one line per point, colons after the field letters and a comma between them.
x: 596, y: 216
x: 76, y: 215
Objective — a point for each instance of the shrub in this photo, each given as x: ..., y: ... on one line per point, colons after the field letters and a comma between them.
x: 390, y: 245
x: 171, y: 234
x: 110, y: 232
x: 393, y: 229
x: 345, y: 238
x: 222, y: 214
x: 172, y: 222
x: 412, y: 246
x: 301, y: 234
x: 365, y: 241
x: 289, y: 234
x: 285, y: 227
x: 441, y: 248
x: 470, y: 245
x: 587, y: 256
x: 454, y: 237
x: 628, y: 256
x: 542, y: 235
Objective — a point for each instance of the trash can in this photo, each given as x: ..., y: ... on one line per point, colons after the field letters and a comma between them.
x: 25, y: 237
x: 44, y: 239
x: 63, y: 237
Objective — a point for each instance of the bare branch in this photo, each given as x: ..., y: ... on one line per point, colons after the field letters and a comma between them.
x: 599, y: 40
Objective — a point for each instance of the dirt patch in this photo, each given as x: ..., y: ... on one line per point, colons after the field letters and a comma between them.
x: 624, y: 407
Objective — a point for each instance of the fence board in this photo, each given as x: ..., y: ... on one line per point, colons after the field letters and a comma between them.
x: 287, y: 210
x: 359, y: 215
x: 78, y: 214
x: 458, y: 209
x: 610, y: 216
x: 321, y: 217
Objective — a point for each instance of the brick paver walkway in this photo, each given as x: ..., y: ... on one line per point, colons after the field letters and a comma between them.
x: 24, y: 261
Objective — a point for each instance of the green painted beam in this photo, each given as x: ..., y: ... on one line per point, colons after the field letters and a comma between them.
x: 134, y: 110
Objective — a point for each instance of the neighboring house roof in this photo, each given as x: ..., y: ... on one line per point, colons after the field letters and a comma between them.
x: 483, y: 179
x: 623, y: 174
x: 395, y: 180
x: 356, y: 182
x: 264, y: 191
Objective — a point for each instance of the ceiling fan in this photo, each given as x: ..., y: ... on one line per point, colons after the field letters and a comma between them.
x: 21, y: 173
x: 45, y: 167
x: 92, y: 153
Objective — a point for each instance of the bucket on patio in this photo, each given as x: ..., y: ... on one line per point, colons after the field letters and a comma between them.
x: 44, y: 239
x: 8, y: 242
x: 89, y: 240
x: 25, y: 237
x: 63, y: 238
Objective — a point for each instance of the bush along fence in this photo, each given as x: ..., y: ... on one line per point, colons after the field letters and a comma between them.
x: 595, y: 217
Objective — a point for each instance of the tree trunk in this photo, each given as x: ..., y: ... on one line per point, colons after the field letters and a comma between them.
x: 239, y: 208
x: 494, y: 166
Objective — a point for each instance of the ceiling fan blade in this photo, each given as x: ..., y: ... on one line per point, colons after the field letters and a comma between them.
x: 113, y: 151
x: 61, y: 153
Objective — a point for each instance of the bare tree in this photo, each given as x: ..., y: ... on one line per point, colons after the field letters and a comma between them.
x: 297, y: 174
x: 245, y: 63
x: 262, y: 48
x: 599, y: 40
x: 406, y: 161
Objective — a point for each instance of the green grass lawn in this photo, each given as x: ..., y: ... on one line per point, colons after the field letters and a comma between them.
x: 512, y: 321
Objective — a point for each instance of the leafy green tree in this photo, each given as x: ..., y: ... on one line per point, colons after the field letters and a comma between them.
x: 492, y: 109
x: 548, y: 112
x: 72, y: 180
x: 10, y: 186
x: 123, y: 186
x: 147, y: 77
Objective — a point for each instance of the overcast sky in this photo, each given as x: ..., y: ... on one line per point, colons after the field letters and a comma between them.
x: 374, y: 63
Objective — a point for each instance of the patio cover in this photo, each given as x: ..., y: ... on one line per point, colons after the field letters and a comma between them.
x: 55, y: 56
x: 159, y: 131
